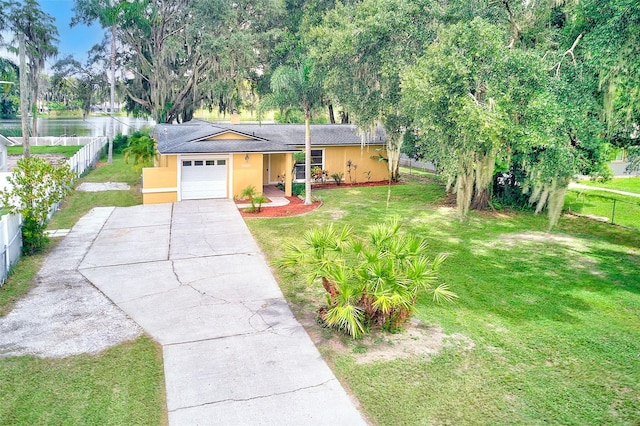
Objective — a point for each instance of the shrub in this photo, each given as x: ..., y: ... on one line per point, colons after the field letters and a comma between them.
x: 120, y: 143
x: 369, y: 283
x: 297, y: 188
x: 142, y: 149
x: 37, y: 185
x: 337, y: 177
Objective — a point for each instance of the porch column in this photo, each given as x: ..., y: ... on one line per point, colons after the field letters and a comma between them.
x: 288, y: 181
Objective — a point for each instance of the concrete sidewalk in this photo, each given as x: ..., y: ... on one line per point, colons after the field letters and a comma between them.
x: 192, y: 276
x: 573, y: 185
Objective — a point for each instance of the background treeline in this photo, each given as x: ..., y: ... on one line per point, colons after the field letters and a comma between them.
x: 508, y: 98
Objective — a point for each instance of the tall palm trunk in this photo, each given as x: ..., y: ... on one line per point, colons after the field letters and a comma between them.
x: 112, y: 82
x: 24, y: 98
x: 307, y: 156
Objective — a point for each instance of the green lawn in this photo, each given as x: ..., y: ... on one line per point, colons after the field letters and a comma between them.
x: 123, y: 385
x: 67, y: 151
x: 551, y: 321
x: 631, y: 184
x: 79, y: 203
x: 419, y: 172
x: 600, y: 204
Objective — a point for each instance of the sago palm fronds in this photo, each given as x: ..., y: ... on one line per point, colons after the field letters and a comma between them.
x: 372, y: 281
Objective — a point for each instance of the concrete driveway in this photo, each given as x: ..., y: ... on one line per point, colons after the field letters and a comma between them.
x: 192, y: 276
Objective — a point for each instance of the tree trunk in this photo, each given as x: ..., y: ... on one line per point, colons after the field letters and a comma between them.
x: 480, y: 199
x: 112, y: 82
x: 307, y: 156
x: 24, y: 101
x: 34, y: 117
x: 394, y: 143
x: 484, y: 168
x: 330, y: 288
x: 332, y: 117
x: 464, y: 185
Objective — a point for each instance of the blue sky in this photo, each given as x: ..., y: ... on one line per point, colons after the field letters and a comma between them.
x: 74, y: 41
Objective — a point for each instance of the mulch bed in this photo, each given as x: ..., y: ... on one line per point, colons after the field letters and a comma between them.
x: 294, y: 208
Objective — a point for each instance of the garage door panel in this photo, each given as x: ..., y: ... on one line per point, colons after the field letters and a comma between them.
x: 204, y: 178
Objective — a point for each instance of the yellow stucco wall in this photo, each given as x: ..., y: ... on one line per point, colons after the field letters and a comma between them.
x: 160, y: 184
x: 247, y: 172
x: 276, y: 163
x: 160, y: 197
x: 229, y: 136
x: 335, y: 161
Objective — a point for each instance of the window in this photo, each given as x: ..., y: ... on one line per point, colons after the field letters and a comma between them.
x: 198, y: 163
x: 186, y: 163
x: 222, y: 162
x: 211, y: 162
x: 316, y: 161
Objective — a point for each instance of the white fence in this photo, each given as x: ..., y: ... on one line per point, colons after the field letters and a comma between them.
x: 88, y: 156
x: 10, y: 235
x: 54, y: 140
x: 11, y: 239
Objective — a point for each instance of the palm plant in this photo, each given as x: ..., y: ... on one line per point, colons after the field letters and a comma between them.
x: 141, y: 149
x: 254, y: 198
x: 297, y: 87
x: 372, y: 282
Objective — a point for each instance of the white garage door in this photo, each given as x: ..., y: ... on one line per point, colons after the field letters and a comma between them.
x: 204, y: 178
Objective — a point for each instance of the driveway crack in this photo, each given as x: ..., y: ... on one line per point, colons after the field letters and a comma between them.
x: 254, y: 398
x: 189, y: 284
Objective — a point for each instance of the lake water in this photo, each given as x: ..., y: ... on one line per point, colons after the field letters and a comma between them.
x: 91, y: 126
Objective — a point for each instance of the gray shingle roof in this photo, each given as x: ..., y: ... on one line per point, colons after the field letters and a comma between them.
x: 189, y: 137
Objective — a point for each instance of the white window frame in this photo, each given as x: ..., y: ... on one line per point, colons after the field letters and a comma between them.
x: 299, y: 167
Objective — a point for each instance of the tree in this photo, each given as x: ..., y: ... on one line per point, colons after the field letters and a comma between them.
x: 474, y: 99
x: 187, y: 51
x: 361, y: 49
x: 8, y: 88
x: 454, y: 94
x: 40, y: 35
x: 369, y: 283
x: 611, y: 39
x: 298, y: 87
x: 36, y: 185
x: 292, y: 45
x: 107, y: 13
x: 88, y: 81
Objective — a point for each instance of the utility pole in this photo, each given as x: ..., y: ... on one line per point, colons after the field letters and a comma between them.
x: 24, y: 99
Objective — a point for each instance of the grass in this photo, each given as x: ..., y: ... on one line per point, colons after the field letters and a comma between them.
x: 600, y: 204
x: 631, y: 184
x: 420, y: 172
x: 79, y: 203
x: 67, y: 151
x: 554, y: 319
x: 123, y: 385
x: 117, y: 171
x: 21, y: 280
